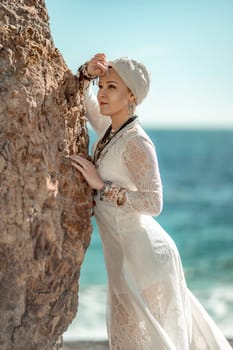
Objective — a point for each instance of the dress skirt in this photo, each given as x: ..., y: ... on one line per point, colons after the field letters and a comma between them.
x: 149, y: 305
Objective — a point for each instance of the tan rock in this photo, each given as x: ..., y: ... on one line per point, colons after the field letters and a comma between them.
x: 44, y: 204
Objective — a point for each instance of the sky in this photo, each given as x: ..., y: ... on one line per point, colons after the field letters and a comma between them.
x: 186, y: 45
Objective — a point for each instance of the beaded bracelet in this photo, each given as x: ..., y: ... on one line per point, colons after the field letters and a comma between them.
x: 112, y: 193
x: 121, y: 197
x: 83, y: 73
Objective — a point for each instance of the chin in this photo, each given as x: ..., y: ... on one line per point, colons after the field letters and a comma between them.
x: 104, y: 112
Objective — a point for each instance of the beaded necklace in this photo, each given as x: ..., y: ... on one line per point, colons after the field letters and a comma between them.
x: 109, y: 134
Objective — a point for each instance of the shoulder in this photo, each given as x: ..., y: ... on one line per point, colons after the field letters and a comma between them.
x: 137, y: 135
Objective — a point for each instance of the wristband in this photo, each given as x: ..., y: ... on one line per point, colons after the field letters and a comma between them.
x: 83, y: 73
x: 112, y: 193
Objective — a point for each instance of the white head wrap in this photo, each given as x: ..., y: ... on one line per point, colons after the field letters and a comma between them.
x: 134, y: 75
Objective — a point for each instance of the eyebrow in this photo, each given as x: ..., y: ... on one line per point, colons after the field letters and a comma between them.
x: 109, y: 81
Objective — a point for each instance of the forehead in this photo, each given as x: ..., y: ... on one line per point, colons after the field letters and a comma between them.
x: 111, y: 75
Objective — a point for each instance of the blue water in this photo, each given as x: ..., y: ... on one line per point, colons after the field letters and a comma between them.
x: 197, y: 174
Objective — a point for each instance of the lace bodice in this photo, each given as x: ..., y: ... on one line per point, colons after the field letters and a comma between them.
x: 138, y: 156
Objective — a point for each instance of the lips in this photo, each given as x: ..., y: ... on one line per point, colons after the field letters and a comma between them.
x: 103, y: 103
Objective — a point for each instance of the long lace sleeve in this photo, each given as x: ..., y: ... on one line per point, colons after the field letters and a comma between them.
x: 99, y: 122
x: 141, y: 161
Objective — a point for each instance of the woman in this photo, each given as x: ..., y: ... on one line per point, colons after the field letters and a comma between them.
x: 149, y: 305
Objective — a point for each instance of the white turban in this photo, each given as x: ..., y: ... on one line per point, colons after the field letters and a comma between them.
x: 134, y: 75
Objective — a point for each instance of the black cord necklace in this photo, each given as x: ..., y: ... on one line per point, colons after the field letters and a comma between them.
x: 108, y: 137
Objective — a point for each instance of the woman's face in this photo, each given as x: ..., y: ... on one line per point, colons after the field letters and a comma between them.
x: 113, y: 95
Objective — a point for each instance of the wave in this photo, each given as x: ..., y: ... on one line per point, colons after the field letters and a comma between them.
x: 218, y: 301
x: 90, y: 324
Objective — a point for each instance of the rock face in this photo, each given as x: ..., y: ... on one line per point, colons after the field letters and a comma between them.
x: 44, y: 203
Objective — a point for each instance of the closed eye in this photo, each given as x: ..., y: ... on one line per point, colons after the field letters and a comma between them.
x: 110, y: 86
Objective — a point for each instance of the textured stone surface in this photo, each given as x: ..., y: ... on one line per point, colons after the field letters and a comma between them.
x: 44, y: 205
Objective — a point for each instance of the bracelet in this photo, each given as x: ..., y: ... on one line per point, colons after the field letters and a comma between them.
x: 112, y: 193
x: 121, y: 197
x: 105, y: 189
x: 83, y: 73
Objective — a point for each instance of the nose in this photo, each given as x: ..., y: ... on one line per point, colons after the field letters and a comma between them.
x: 101, y: 93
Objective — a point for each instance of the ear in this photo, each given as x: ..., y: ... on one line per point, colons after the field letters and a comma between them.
x: 132, y: 98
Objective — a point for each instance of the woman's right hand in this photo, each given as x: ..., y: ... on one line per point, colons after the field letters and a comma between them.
x: 97, y: 65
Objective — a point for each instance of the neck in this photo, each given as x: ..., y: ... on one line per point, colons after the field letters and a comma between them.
x: 118, y: 121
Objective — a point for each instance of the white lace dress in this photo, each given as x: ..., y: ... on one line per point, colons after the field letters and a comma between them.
x: 149, y: 304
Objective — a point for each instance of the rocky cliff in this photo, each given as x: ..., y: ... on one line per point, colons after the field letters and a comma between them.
x: 44, y: 204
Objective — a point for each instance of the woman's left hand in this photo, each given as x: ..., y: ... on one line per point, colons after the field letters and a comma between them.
x: 88, y: 170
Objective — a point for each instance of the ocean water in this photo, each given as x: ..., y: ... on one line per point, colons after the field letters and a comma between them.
x: 197, y: 173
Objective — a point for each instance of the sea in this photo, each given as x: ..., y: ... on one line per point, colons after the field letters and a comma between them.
x: 196, y: 168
